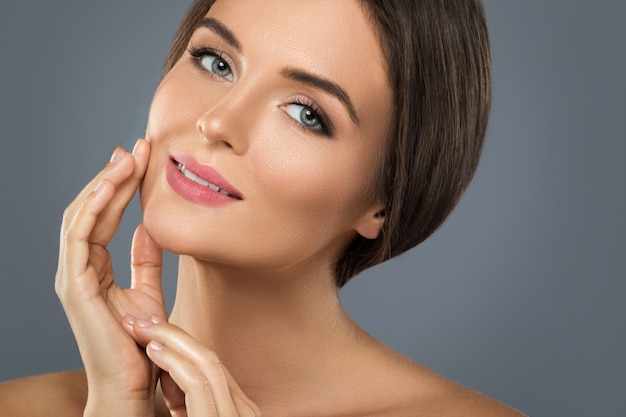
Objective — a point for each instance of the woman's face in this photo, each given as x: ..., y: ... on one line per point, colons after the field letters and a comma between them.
x: 285, y: 105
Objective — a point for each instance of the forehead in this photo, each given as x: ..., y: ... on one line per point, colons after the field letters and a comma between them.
x: 333, y: 38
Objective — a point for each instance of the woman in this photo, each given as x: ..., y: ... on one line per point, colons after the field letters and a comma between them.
x: 285, y: 152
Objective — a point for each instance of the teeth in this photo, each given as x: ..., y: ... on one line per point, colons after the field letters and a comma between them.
x: 193, y: 177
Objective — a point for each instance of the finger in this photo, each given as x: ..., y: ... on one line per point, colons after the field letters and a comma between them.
x: 116, y: 171
x: 202, y: 391
x: 128, y: 322
x: 111, y: 217
x: 76, y: 236
x: 225, y: 389
x: 146, y: 263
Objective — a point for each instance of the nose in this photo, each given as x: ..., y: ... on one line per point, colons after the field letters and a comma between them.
x: 224, y: 125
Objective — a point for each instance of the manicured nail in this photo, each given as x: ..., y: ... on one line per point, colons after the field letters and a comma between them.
x: 135, y: 147
x: 144, y: 323
x: 98, y: 187
x: 117, y: 155
x: 156, y: 345
x: 156, y: 319
x: 131, y: 319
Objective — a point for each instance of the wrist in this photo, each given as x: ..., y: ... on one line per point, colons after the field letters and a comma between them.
x: 113, y: 406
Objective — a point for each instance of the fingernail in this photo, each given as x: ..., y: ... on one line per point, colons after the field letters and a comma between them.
x: 131, y: 319
x: 135, y: 147
x: 156, y: 345
x: 156, y: 319
x: 117, y: 155
x: 144, y: 323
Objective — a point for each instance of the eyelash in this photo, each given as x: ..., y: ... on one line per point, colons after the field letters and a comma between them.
x: 326, y: 128
x: 197, y: 53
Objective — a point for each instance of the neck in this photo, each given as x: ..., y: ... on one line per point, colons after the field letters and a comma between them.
x: 266, y: 328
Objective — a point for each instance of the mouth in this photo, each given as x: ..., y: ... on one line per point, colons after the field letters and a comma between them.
x: 189, y: 174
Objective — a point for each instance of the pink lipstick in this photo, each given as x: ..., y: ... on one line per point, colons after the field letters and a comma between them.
x: 198, y: 182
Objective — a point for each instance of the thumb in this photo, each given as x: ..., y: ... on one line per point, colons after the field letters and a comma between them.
x: 146, y: 264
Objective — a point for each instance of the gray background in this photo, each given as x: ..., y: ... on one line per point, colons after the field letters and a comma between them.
x: 519, y: 295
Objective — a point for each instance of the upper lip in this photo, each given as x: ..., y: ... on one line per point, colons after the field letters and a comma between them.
x: 206, y: 172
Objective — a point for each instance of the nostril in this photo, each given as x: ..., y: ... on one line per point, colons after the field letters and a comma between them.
x: 213, y: 130
x: 223, y: 126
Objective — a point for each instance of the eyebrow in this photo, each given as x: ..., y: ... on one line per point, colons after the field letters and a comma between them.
x: 323, y: 84
x: 221, y: 30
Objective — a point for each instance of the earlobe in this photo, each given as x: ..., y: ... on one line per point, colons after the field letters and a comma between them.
x: 370, y: 225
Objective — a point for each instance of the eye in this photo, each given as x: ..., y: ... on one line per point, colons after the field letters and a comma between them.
x: 304, y: 115
x: 216, y: 65
x: 309, y: 116
x: 210, y: 60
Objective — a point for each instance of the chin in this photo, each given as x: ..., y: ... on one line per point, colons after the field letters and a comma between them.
x: 161, y: 232
x: 180, y: 236
x: 166, y: 230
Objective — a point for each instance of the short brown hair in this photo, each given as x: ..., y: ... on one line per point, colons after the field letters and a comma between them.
x: 439, y: 66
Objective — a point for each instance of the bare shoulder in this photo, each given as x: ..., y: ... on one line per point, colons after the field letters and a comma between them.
x: 62, y: 393
x: 399, y: 387
x: 456, y: 400
x: 426, y: 393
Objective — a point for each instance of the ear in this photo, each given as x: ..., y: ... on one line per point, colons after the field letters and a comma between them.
x: 372, y: 221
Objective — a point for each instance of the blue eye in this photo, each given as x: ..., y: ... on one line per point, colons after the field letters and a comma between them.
x: 304, y: 115
x: 216, y: 65
x: 210, y: 60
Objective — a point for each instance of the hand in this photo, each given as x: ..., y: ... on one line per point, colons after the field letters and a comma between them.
x: 194, y: 381
x: 121, y: 378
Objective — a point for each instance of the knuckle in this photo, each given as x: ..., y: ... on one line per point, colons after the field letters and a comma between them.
x: 214, y: 359
x: 118, y: 210
x: 205, y: 386
x: 68, y: 233
x: 68, y: 214
x: 211, y: 364
x: 210, y: 358
x: 60, y: 287
x: 65, y: 232
x: 70, y: 211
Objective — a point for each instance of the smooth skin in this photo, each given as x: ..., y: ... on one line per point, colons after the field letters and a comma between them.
x: 363, y: 379
x: 257, y: 326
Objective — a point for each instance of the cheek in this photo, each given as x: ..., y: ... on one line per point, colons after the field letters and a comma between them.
x: 170, y: 111
x: 303, y: 192
x: 177, y: 103
x: 317, y: 184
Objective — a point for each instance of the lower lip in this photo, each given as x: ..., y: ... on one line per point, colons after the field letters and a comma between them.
x: 193, y: 191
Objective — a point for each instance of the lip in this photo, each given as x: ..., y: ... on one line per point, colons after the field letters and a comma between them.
x: 192, y: 190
